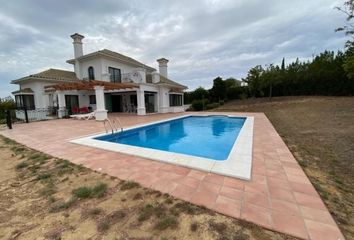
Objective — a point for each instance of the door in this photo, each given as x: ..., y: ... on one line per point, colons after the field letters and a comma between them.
x: 108, y: 101
x: 71, y: 102
x: 150, y: 102
x: 117, y: 103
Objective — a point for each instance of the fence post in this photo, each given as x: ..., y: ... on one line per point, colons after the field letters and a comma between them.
x: 26, y: 114
x: 8, y: 119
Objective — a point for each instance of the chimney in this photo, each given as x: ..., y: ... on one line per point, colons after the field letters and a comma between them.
x: 163, y: 66
x: 77, y: 45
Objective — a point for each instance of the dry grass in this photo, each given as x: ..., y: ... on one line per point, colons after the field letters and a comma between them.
x: 49, y: 198
x: 320, y: 133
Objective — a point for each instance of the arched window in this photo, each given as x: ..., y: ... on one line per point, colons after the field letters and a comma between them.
x: 91, y: 73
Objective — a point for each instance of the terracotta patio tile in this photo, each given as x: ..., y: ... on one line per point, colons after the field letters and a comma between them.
x: 210, y: 187
x: 214, y: 178
x: 281, y: 206
x: 290, y: 224
x: 180, y: 170
x: 309, y: 201
x: 228, y: 206
x: 189, y: 181
x: 234, y: 183
x: 278, y: 183
x: 164, y: 186
x: 231, y: 193
x: 197, y: 174
x: 320, y: 231
x: 257, y: 215
x: 303, y: 188
x: 281, y: 194
x: 183, y: 192
x: 256, y: 199
x: 204, y: 198
x: 317, y: 215
x: 256, y: 188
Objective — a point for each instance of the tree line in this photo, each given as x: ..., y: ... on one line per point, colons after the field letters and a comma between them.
x: 328, y: 73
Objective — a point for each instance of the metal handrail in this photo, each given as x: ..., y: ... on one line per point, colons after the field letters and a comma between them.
x: 119, y: 124
x: 110, y: 124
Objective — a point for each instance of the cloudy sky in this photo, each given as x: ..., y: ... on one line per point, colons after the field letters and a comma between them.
x: 202, y: 39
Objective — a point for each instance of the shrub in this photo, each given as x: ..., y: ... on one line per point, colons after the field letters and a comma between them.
x: 98, y: 191
x: 166, y: 222
x: 212, y: 105
x: 82, y: 192
x: 21, y: 165
x: 199, y: 105
x: 129, y: 185
x: 194, y: 226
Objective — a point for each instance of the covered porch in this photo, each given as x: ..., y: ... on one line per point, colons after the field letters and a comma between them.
x: 101, y: 97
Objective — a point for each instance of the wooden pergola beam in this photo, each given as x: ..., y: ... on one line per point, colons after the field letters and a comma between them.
x: 89, y: 85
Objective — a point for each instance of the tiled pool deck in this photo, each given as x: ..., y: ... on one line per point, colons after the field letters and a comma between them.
x: 279, y: 195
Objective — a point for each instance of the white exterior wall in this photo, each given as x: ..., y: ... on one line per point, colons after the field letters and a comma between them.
x: 97, y: 68
x: 41, y: 98
x: 164, y: 100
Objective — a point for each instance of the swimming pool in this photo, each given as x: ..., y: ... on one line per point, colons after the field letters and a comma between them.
x: 210, y: 137
x: 219, y: 144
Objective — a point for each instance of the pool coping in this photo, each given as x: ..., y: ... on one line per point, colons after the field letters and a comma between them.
x: 238, y: 164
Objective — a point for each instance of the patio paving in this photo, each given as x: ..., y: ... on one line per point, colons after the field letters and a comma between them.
x: 279, y: 196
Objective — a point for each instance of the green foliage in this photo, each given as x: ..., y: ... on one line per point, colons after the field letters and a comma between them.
x: 21, y: 165
x: 166, y: 222
x: 212, y: 105
x: 99, y: 190
x: 129, y: 185
x: 199, y: 105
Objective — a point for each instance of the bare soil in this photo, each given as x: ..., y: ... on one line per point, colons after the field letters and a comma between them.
x: 42, y: 197
x: 320, y: 133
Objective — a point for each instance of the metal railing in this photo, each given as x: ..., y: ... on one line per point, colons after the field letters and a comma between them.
x: 112, y: 125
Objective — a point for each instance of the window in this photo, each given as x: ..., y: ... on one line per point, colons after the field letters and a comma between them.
x: 25, y: 101
x: 91, y: 73
x: 175, y: 100
x: 115, y: 74
x: 92, y: 99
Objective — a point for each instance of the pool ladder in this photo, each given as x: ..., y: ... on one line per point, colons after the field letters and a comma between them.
x: 112, y: 125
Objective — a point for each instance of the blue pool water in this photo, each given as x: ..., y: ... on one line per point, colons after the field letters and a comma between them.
x: 209, y: 137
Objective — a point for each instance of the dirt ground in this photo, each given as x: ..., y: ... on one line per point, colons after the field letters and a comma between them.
x: 42, y: 197
x: 320, y: 133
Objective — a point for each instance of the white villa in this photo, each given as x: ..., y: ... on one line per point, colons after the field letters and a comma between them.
x: 102, y: 81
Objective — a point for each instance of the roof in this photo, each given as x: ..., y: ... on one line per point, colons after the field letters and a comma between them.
x: 23, y: 91
x: 90, y: 85
x: 112, y: 54
x: 164, y: 80
x: 50, y: 74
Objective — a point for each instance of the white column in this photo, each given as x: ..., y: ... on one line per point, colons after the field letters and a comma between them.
x: 61, y: 104
x: 141, y: 102
x: 101, y: 112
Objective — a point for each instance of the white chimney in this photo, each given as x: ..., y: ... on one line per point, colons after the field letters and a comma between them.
x: 163, y: 66
x: 78, y: 52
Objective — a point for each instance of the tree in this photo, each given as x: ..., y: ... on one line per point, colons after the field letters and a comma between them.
x: 348, y: 29
x: 218, y: 90
x: 254, y: 81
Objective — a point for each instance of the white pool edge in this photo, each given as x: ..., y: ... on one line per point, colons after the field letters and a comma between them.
x: 238, y: 164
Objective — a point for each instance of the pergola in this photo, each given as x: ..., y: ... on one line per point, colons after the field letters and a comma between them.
x: 89, y: 85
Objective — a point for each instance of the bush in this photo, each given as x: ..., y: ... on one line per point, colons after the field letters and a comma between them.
x: 98, y: 191
x: 82, y: 192
x: 212, y: 105
x: 199, y: 105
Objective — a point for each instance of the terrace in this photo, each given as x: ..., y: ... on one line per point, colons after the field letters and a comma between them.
x: 279, y: 196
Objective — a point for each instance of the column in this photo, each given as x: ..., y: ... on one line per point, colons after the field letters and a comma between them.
x: 141, y: 102
x: 61, y: 104
x: 101, y: 112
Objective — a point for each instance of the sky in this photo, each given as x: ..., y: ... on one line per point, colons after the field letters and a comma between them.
x: 202, y: 39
